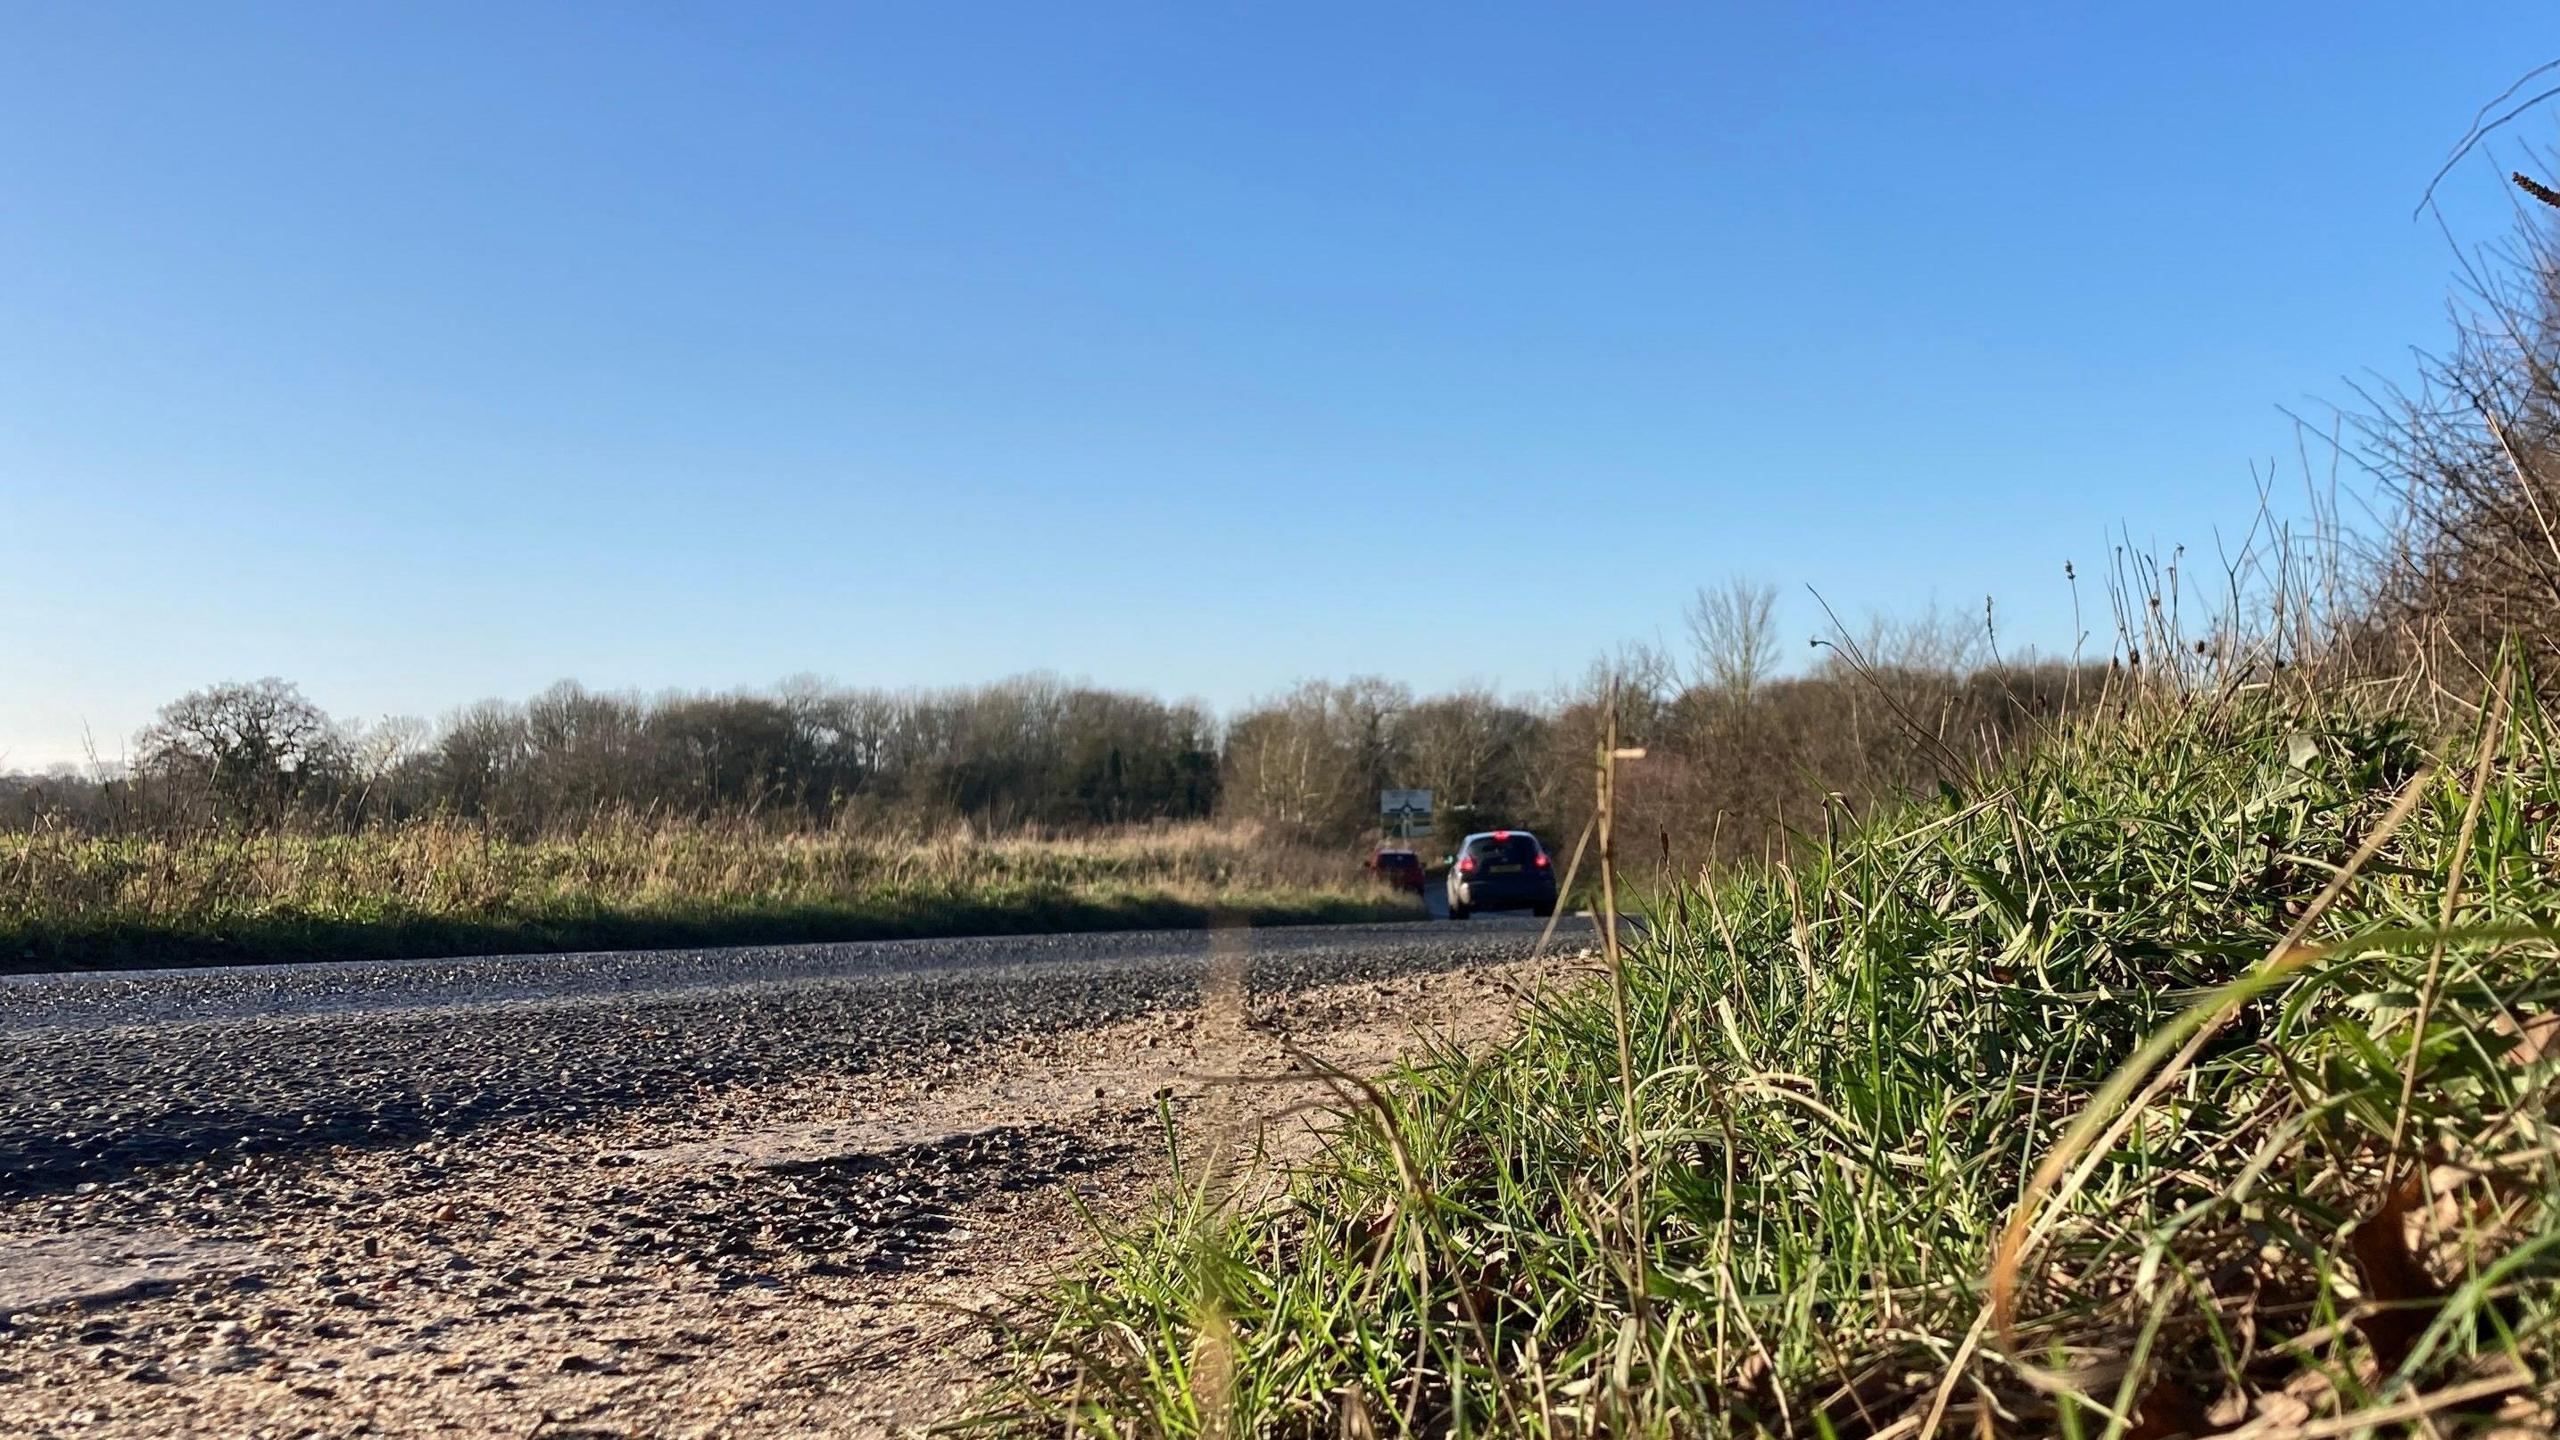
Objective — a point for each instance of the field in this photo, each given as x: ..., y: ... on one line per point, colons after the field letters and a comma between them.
x: 2193, y: 1073
x: 436, y: 888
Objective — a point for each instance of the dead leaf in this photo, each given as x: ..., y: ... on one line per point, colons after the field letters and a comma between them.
x: 2282, y: 1410
x: 2406, y: 1299
x: 2168, y: 1411
x: 2535, y: 1035
x: 1353, y: 1421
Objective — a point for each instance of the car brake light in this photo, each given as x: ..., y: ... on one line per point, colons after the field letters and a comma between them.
x: 1542, y: 860
x: 1501, y: 834
x: 1467, y: 865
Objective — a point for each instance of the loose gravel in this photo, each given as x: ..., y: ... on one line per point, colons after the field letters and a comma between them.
x: 727, y: 1193
x: 105, y: 1076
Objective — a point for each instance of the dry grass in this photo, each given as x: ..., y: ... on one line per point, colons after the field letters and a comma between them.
x: 439, y: 887
x: 2194, y: 1076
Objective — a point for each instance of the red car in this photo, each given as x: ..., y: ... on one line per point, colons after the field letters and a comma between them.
x: 1400, y: 868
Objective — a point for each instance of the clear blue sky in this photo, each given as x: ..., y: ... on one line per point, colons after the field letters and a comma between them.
x: 430, y: 352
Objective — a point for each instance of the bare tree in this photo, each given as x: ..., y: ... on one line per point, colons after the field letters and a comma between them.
x: 1315, y: 758
x: 251, y: 748
x: 379, y: 750
x: 1734, y: 629
x: 1475, y: 754
x: 2472, y: 455
x: 1931, y: 641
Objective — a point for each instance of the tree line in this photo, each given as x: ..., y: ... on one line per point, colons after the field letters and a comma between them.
x: 1738, y: 754
x: 1023, y: 752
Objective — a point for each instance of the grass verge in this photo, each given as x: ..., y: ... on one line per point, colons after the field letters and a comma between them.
x: 2224, y: 1036
x: 73, y: 902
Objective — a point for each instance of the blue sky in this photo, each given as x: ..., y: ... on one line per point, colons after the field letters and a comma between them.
x: 426, y: 353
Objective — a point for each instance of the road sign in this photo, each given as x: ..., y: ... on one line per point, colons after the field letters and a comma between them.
x: 1405, y: 809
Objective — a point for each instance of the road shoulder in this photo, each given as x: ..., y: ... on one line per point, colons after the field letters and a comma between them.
x: 806, y: 1258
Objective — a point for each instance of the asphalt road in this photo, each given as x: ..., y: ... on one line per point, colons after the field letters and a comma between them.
x: 106, y: 1075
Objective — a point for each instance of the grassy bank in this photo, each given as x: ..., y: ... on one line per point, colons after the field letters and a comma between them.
x: 2240, y: 1193
x: 68, y: 901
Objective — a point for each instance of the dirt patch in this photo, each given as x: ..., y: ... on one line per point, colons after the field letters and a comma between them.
x: 92, y: 1269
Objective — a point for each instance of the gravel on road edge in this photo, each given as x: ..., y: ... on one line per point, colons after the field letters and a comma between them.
x: 779, y: 1251
x: 102, y: 1079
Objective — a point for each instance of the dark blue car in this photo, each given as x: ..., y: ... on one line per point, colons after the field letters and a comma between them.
x: 1501, y: 870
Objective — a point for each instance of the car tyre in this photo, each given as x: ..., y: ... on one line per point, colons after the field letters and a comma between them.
x: 1459, y: 912
x: 1544, y: 912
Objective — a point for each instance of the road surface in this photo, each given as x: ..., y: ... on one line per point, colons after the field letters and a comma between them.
x: 682, y: 1192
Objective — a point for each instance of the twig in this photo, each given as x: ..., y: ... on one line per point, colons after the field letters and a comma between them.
x: 1601, y: 820
x: 2491, y: 728
x: 2481, y: 125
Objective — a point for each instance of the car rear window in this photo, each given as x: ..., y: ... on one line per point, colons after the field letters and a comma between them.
x: 1510, y: 849
x: 1398, y: 860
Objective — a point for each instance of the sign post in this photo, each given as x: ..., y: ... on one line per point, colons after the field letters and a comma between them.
x: 1403, y: 809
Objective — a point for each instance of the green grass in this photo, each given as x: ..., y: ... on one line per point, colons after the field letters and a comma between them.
x: 1845, y: 1075
x: 69, y: 901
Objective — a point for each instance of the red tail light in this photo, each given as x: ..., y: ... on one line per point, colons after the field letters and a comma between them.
x: 1542, y: 860
x: 1501, y: 834
x: 1467, y: 865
